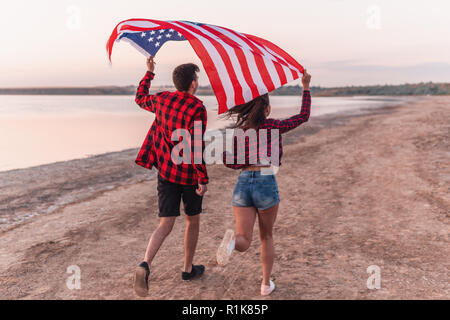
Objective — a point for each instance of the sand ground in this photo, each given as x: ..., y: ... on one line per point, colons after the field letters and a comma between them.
x: 368, y: 190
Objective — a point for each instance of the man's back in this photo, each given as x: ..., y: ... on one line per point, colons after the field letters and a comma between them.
x: 176, y: 110
x: 173, y: 111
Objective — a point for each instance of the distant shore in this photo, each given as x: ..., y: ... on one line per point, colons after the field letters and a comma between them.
x: 428, y: 88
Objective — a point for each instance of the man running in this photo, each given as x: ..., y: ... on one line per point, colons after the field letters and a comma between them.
x: 176, y: 181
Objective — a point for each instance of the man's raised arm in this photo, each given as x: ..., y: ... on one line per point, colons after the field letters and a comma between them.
x: 143, y: 99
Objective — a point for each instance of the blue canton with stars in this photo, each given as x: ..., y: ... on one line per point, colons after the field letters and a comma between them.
x: 152, y: 41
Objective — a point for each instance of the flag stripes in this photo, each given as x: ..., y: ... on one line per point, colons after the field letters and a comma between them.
x: 240, y: 66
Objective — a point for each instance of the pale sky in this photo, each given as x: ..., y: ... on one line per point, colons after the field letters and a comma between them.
x: 340, y: 42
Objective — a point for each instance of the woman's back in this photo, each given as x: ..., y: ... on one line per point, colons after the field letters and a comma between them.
x: 250, y: 144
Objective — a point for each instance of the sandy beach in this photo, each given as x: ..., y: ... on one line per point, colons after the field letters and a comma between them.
x: 356, y: 190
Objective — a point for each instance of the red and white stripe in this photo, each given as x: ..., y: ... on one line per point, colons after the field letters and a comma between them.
x: 240, y: 66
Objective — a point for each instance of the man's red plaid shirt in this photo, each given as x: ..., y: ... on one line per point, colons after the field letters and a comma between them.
x: 173, y: 110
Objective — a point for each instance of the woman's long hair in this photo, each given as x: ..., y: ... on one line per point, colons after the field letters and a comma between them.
x: 250, y: 114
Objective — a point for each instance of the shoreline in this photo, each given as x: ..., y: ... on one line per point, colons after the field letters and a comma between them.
x: 66, y: 134
x: 48, y: 198
x: 356, y: 191
x: 435, y: 88
x: 395, y: 100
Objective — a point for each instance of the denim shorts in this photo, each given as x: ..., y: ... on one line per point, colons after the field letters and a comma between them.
x: 254, y: 189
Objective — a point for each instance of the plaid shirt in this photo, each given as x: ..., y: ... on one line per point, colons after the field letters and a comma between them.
x: 173, y: 110
x: 252, y: 144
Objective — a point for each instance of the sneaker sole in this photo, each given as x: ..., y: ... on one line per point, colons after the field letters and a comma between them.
x: 223, y: 252
x: 140, y: 287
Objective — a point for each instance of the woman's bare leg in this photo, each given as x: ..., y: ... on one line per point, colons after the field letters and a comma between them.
x: 266, y: 221
x: 245, y: 220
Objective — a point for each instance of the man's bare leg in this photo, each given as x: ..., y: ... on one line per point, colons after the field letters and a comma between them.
x: 158, y: 236
x: 190, y: 240
x: 143, y: 270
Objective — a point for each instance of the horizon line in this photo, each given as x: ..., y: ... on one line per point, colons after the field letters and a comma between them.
x: 209, y: 86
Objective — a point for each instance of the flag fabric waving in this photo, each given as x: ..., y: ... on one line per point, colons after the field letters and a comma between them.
x: 240, y: 67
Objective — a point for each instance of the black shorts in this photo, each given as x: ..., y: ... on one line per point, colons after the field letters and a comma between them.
x: 170, y: 195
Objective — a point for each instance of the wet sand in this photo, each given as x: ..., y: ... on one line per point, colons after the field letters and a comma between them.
x: 356, y: 190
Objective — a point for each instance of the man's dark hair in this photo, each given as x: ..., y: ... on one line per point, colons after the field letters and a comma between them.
x: 183, y: 75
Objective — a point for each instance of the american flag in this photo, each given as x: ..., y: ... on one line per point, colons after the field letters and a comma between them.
x: 240, y: 67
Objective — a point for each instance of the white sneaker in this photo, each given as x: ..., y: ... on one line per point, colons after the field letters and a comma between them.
x: 266, y: 290
x: 225, y: 248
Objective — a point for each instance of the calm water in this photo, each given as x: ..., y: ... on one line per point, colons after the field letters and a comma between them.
x: 42, y: 129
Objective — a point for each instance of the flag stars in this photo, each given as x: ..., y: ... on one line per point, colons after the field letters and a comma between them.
x: 153, y: 40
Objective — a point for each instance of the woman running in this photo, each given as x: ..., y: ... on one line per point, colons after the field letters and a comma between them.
x: 256, y: 190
